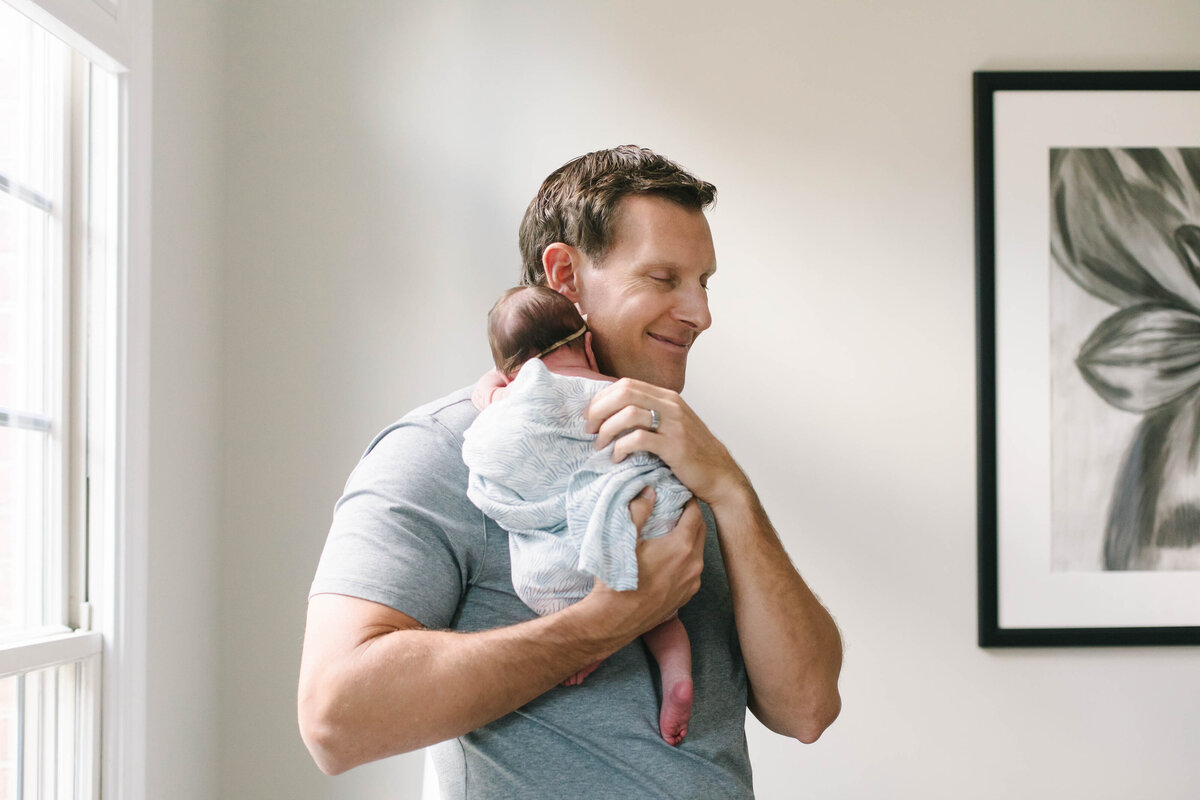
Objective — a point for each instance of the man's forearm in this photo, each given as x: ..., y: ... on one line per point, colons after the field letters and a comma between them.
x: 791, y: 646
x: 400, y: 689
x: 374, y: 683
x: 790, y: 643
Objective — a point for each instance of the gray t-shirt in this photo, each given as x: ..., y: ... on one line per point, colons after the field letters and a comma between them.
x: 405, y: 535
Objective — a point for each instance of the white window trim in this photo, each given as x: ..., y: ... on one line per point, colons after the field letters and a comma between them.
x: 47, y: 652
x: 119, y: 37
x: 101, y: 31
x: 124, y: 710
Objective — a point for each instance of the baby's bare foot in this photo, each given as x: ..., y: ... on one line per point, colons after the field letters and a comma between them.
x: 676, y: 711
x: 578, y: 677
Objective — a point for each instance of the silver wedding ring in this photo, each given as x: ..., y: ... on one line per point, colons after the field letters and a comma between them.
x: 655, y: 419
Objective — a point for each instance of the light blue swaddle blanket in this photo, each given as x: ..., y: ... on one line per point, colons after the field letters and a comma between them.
x: 565, y: 505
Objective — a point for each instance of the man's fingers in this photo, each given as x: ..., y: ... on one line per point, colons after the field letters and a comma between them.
x: 693, y: 518
x: 641, y: 506
x: 669, y: 567
x: 624, y: 393
x: 638, y: 441
x: 684, y: 544
x: 628, y: 419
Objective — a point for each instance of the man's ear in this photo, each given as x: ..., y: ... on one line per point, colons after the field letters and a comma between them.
x: 591, y: 354
x: 562, y: 262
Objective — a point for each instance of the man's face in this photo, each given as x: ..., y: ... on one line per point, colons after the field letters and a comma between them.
x: 647, y: 301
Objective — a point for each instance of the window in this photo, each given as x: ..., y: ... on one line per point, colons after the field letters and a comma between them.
x: 59, y: 242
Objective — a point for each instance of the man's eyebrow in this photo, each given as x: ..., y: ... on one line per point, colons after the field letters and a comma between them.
x: 667, y: 263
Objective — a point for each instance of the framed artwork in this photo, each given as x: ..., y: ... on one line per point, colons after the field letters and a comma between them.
x: 1088, y: 323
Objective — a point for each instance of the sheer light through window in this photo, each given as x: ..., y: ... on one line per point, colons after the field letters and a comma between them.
x: 57, y: 254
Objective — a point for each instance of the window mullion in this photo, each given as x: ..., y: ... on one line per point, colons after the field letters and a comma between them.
x: 59, y: 146
x: 10, y: 418
x: 76, y: 348
x: 18, y: 190
x: 43, y: 652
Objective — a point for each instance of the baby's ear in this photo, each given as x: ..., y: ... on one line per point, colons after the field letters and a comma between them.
x: 591, y: 354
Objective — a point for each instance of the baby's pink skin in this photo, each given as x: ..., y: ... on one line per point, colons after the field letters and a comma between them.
x: 568, y: 361
x: 578, y: 677
x: 489, y: 388
x: 670, y: 647
x: 563, y: 361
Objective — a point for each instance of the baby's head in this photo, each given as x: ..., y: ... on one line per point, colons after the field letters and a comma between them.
x: 530, y: 321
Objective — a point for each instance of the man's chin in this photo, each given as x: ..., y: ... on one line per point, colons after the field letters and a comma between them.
x: 663, y: 377
x: 666, y: 380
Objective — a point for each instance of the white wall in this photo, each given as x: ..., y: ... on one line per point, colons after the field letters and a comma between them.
x: 185, y: 400
x: 379, y: 158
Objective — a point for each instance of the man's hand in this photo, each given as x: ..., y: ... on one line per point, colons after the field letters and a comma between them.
x: 622, y: 412
x: 669, y: 570
x: 790, y: 644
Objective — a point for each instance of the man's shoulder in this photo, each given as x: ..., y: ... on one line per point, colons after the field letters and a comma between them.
x: 442, y: 419
x: 452, y: 406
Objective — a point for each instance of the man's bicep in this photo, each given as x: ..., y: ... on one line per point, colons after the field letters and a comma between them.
x: 338, y: 623
x: 404, y: 535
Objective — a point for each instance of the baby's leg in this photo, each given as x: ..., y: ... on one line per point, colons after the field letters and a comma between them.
x: 670, y: 646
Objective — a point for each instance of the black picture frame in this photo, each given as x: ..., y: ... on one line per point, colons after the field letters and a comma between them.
x: 986, y: 86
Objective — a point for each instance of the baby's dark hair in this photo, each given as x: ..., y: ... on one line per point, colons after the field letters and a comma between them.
x: 527, y: 320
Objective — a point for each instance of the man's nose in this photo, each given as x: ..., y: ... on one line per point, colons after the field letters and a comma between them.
x: 692, y: 309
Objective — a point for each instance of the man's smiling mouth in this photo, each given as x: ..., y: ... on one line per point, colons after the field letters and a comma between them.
x: 680, y: 343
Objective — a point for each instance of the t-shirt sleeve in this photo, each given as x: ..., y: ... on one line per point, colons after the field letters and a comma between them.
x: 404, y: 533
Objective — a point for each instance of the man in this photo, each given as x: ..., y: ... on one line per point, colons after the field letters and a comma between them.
x: 414, y: 633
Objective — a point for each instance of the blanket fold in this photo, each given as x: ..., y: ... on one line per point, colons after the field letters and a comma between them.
x: 565, y: 505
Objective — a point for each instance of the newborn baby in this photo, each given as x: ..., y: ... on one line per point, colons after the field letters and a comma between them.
x: 565, y: 505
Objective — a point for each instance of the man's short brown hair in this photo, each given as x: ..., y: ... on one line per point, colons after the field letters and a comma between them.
x: 525, y: 321
x: 577, y: 204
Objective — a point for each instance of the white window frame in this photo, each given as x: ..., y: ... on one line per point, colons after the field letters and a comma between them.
x: 117, y: 35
